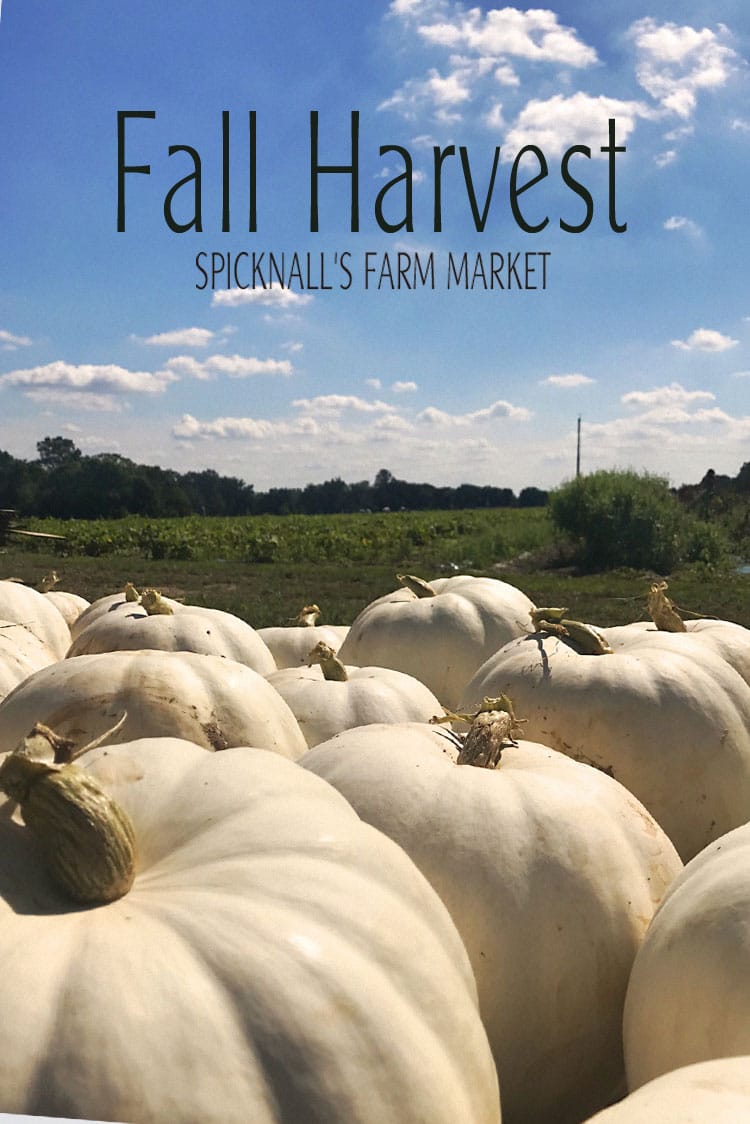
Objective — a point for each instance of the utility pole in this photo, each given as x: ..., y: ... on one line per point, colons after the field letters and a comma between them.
x: 578, y: 450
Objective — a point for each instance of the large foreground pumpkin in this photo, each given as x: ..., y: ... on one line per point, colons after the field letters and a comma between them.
x: 551, y: 872
x: 276, y: 960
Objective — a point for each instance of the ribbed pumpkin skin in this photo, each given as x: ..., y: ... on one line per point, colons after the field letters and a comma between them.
x: 724, y: 638
x: 441, y: 640
x: 323, y: 707
x: 207, y: 700
x: 31, y: 609
x: 291, y: 646
x: 689, y: 995
x: 21, y: 654
x: 551, y: 872
x: 209, y: 632
x: 673, y: 729
x: 69, y: 605
x: 713, y: 1092
x: 276, y: 961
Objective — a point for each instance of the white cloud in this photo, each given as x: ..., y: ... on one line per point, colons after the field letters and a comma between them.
x: 186, y: 337
x: 75, y: 400
x: 740, y: 124
x: 332, y: 404
x: 403, y: 387
x: 568, y: 382
x: 666, y: 397
x: 705, y: 339
x: 675, y: 61
x: 741, y: 374
x: 9, y: 341
x: 557, y: 122
x: 480, y: 47
x: 376, y: 384
x: 90, y: 377
x: 272, y: 297
x: 235, y: 366
x: 258, y: 429
x: 433, y: 416
x: 535, y: 34
x: 679, y: 222
x: 663, y: 159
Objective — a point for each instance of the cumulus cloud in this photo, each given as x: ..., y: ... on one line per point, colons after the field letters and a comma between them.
x: 9, y: 341
x: 185, y: 337
x: 228, y: 428
x: 568, y: 382
x: 433, y: 416
x: 666, y: 396
x: 76, y: 400
x: 536, y: 35
x: 705, y: 339
x: 480, y: 47
x: 675, y: 61
x: 557, y: 122
x: 235, y: 366
x: 404, y: 387
x: 688, y: 226
x: 90, y: 377
x: 272, y: 297
x: 339, y: 403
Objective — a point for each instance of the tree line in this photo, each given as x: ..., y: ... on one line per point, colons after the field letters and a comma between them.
x: 65, y: 483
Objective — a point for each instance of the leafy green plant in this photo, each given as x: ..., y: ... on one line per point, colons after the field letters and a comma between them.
x: 613, y: 518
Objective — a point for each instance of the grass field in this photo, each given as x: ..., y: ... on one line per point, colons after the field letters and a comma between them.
x: 266, y: 568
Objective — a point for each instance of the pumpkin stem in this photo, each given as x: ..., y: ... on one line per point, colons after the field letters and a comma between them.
x: 154, y: 604
x: 307, y: 617
x: 492, y: 728
x: 586, y: 639
x: 48, y: 582
x: 87, y: 839
x: 418, y: 586
x: 330, y: 664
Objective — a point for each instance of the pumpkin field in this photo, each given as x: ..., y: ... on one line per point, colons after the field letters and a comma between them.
x: 389, y: 818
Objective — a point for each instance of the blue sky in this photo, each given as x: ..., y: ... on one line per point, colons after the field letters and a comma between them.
x: 106, y: 336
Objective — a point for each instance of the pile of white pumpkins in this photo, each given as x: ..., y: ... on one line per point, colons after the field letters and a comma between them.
x: 463, y: 861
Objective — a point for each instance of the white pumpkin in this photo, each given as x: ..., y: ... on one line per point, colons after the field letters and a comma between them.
x: 21, y: 653
x: 713, y: 1092
x: 689, y: 994
x: 30, y: 608
x: 440, y: 631
x: 327, y: 697
x: 289, y: 645
x: 672, y: 729
x: 551, y: 872
x: 724, y: 638
x: 275, y: 961
x: 127, y: 600
x: 190, y: 628
x: 211, y: 701
x: 69, y: 605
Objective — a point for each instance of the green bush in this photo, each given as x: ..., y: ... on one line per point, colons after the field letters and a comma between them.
x: 615, y: 519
